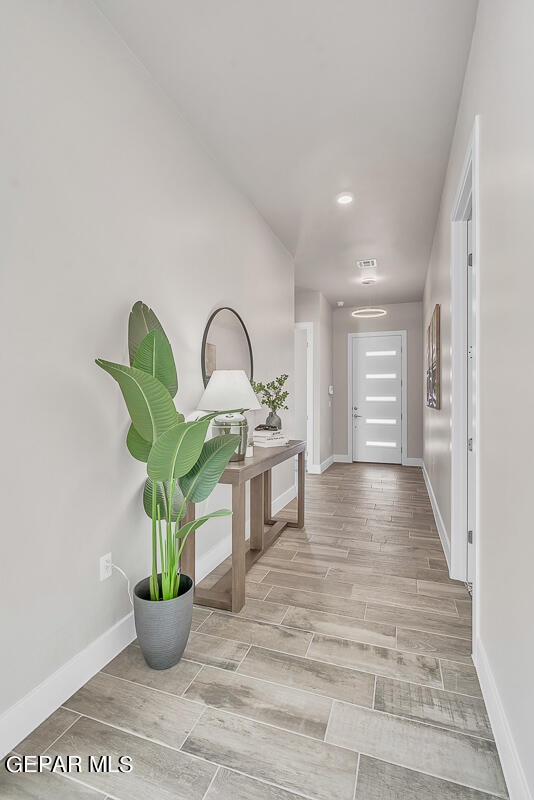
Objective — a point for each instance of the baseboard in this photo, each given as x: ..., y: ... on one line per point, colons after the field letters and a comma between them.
x: 342, y: 459
x: 514, y: 774
x: 412, y: 462
x: 318, y: 469
x: 282, y: 500
x: 23, y: 717
x: 208, y: 561
x: 438, y: 518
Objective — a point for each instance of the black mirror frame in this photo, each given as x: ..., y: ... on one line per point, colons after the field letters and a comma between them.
x: 205, y: 378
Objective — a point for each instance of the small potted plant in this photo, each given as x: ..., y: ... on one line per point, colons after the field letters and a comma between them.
x: 181, y: 467
x: 274, y: 396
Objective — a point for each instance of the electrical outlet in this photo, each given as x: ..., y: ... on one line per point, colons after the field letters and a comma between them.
x: 105, y: 567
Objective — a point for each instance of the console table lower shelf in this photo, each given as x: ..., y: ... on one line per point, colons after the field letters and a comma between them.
x: 228, y: 592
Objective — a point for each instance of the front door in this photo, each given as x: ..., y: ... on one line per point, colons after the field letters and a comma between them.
x: 377, y: 399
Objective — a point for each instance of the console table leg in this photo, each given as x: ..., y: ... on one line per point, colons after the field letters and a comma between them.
x: 267, y: 496
x: 256, y: 513
x: 238, y: 547
x: 187, y: 559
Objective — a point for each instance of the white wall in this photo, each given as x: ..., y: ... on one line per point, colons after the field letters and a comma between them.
x: 499, y: 87
x: 106, y: 198
x: 400, y: 317
x: 312, y: 306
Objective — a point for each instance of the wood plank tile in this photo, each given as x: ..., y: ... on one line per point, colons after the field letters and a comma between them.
x: 397, y: 597
x: 440, y: 589
x: 464, y: 759
x: 295, y: 762
x: 434, y: 706
x: 379, y: 780
x: 160, y: 717
x: 175, y: 775
x: 419, y: 620
x: 433, y: 644
x: 264, y: 611
x: 257, y: 572
x: 341, y: 626
x: 381, y: 561
x: 321, y: 602
x: 304, y: 569
x: 335, y: 587
x: 321, y: 550
x: 367, y: 577
x: 47, y: 732
x: 260, y: 633
x: 43, y: 786
x: 461, y: 678
x: 233, y: 786
x: 287, y: 708
x: 438, y: 576
x: 131, y: 665
x: 465, y: 608
x: 256, y: 591
x: 379, y: 660
x: 199, y: 615
x: 313, y: 676
x: 214, y: 651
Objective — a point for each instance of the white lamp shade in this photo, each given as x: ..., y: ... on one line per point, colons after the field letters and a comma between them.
x: 228, y: 389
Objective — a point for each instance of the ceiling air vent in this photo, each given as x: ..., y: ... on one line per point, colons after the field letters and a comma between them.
x: 368, y: 263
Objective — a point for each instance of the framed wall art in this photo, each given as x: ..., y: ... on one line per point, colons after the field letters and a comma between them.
x: 433, y: 366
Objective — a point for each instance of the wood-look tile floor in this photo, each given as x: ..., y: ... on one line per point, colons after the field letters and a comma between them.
x: 346, y: 676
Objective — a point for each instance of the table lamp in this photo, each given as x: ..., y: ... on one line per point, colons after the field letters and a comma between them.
x: 228, y: 389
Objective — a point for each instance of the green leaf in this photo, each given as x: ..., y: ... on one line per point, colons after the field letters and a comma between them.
x: 177, y: 450
x: 148, y: 402
x: 182, y: 532
x: 139, y: 448
x: 142, y: 320
x: 162, y: 499
x: 154, y: 355
x: 203, y: 477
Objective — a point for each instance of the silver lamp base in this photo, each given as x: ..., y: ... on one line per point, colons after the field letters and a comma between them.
x: 233, y: 423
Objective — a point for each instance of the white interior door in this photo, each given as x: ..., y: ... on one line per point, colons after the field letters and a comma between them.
x: 471, y: 409
x: 377, y: 399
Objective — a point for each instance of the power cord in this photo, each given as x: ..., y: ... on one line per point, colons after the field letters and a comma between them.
x: 125, y: 576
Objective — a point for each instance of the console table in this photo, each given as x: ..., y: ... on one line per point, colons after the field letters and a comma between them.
x: 229, y: 592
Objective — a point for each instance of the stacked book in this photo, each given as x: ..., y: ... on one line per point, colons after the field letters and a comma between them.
x: 269, y: 438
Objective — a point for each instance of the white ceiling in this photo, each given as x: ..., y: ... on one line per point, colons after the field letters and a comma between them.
x: 300, y: 99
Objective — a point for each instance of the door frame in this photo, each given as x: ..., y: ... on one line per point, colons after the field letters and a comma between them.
x: 308, y: 327
x: 352, y: 337
x: 467, y: 200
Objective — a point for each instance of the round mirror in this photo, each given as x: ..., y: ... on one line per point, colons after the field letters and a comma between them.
x: 225, y: 344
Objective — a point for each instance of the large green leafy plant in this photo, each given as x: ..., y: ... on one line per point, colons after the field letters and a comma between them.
x: 181, y: 465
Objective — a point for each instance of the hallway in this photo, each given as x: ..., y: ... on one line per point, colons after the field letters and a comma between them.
x: 346, y: 675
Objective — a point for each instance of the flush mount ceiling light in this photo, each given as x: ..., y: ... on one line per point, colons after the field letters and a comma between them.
x: 367, y: 312
x: 344, y: 199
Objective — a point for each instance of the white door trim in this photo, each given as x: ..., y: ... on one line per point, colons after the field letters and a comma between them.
x: 404, y: 396
x: 310, y: 428
x: 467, y: 199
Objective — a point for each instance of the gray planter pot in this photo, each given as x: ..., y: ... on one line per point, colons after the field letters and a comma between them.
x: 163, y: 626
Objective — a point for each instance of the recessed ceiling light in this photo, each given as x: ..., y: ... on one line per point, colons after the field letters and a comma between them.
x: 344, y: 198
x: 367, y: 312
